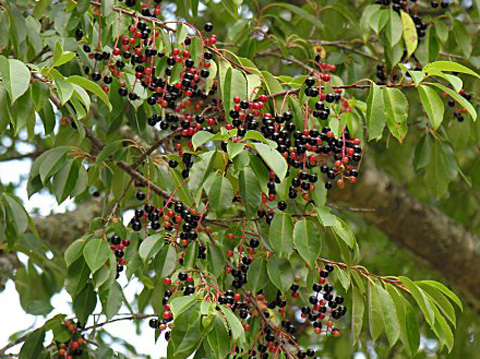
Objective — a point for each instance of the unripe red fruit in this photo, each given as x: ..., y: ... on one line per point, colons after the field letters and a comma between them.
x: 167, y: 281
x: 167, y: 315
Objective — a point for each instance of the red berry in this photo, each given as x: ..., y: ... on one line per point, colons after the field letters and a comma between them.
x: 167, y: 281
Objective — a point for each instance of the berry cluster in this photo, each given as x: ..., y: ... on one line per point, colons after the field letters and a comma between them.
x: 180, y: 93
x: 458, y: 113
x: 75, y: 346
x: 146, y: 9
x: 403, y: 5
x: 323, y: 309
x: 167, y: 79
x: 118, y: 247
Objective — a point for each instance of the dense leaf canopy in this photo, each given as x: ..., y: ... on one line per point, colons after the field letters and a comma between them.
x: 279, y: 179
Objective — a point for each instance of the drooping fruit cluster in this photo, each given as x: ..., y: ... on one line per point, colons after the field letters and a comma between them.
x: 174, y: 217
x: 458, y: 112
x: 75, y: 346
x: 323, y: 309
x: 118, y: 247
x: 181, y: 100
x: 147, y: 9
x: 411, y: 7
x: 177, y: 81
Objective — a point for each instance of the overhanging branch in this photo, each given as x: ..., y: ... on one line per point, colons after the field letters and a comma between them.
x: 425, y: 231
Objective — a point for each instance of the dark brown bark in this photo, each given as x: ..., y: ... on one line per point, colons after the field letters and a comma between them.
x: 426, y: 232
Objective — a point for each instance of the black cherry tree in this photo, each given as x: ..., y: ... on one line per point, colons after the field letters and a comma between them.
x: 243, y: 163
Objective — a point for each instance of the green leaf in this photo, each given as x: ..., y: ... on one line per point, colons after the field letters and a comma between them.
x: 254, y: 83
x: 211, y: 79
x: 301, y: 13
x: 96, y: 253
x: 378, y: 20
x: 77, y: 276
x: 345, y: 233
x: 112, y: 300
x: 107, y: 7
x: 183, y: 192
x: 239, y: 86
x: 234, y: 149
x: 65, y: 180
x: 280, y: 272
x: 455, y: 81
x: 275, y: 161
x: 449, y: 66
x: 4, y: 109
x: 445, y: 291
x: 181, y: 304
x: 16, y: 212
x: 84, y: 303
x: 433, y: 105
x: 257, y: 276
x: 61, y: 57
x: 376, y: 119
x: 224, y: 81
x: 64, y: 89
x: 409, y: 33
x: 234, y: 323
x: 218, y: 338
x: 216, y: 259
x: 53, y: 162
x: 420, y: 298
x: 375, y: 313
x: 396, y: 110
x: 308, y: 241
x: 256, y: 136
x: 358, y: 308
x: 280, y: 234
x: 442, y: 329
x: 165, y: 261
x: 187, y: 334
x: 220, y: 195
x: 40, y: 8
x: 460, y: 99
x: 150, y: 246
x: 109, y: 150
x: 441, y: 169
x: 389, y: 315
x: 33, y: 347
x: 440, y: 300
x: 462, y: 38
x: 92, y: 87
x: 394, y: 28
x: 250, y: 192
x: 15, y: 77
x: 200, y: 170
x: 200, y: 138
x: 74, y: 251
x: 273, y: 87
x: 441, y: 30
x: 407, y: 320
x: 325, y: 217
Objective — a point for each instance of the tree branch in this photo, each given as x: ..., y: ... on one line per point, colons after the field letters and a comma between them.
x: 425, y: 231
